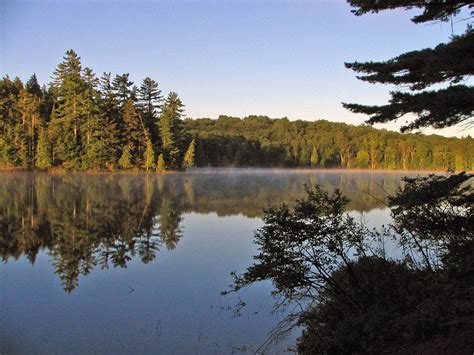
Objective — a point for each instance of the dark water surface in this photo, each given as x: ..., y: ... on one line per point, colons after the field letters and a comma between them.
x: 135, y: 263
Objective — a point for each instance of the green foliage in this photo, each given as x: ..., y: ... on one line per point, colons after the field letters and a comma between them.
x: 449, y: 63
x: 279, y: 142
x: 363, y: 159
x: 189, y: 157
x: 88, y: 120
x: 71, y: 109
x: 121, y: 87
x: 125, y: 160
x: 432, y: 10
x: 149, y: 156
x: 96, y: 155
x: 134, y: 132
x: 149, y: 98
x: 172, y: 130
x: 438, y: 109
x: 314, y: 157
x: 43, y: 157
x: 110, y: 131
x: 161, y: 165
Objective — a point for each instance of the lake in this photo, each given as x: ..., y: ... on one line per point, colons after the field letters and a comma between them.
x: 135, y: 263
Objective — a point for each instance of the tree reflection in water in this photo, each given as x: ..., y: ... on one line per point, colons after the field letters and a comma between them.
x: 85, y: 221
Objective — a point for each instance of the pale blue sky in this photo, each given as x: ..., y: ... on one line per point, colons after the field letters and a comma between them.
x: 275, y: 58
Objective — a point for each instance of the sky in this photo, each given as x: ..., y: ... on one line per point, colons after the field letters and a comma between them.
x: 274, y: 58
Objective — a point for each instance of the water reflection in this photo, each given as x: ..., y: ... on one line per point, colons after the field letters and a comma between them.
x: 86, y: 221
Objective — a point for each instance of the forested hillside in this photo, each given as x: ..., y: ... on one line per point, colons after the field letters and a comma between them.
x: 259, y: 140
x: 80, y: 122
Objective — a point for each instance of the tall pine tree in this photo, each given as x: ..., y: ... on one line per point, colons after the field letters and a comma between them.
x: 172, y: 130
x: 71, y: 109
x: 149, y: 98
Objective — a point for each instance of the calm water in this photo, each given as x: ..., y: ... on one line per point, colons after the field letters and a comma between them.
x: 124, y: 263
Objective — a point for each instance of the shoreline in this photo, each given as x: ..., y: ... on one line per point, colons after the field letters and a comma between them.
x: 204, y: 170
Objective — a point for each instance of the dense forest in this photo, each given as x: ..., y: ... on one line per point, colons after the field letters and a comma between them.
x: 261, y: 141
x: 82, y: 122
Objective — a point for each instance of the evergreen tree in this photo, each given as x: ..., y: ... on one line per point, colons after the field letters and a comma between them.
x: 27, y: 127
x: 432, y: 10
x: 149, y: 156
x: 96, y: 155
x: 94, y: 147
x: 161, y: 165
x: 189, y: 157
x: 449, y: 63
x: 125, y: 160
x: 109, y: 108
x: 48, y: 99
x: 43, y: 156
x: 9, y: 92
x: 71, y: 109
x: 172, y: 131
x: 135, y: 133
x: 149, y: 98
x: 33, y: 87
x: 122, y: 88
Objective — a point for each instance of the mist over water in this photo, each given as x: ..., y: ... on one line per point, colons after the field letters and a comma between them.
x: 120, y: 263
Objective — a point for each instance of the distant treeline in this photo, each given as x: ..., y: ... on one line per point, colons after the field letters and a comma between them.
x: 261, y: 141
x: 80, y: 122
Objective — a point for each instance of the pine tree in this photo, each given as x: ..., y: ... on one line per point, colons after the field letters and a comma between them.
x: 94, y: 147
x: 149, y: 156
x: 125, y: 160
x: 47, y: 101
x: 149, y: 98
x: 96, y: 155
x: 43, y: 157
x: 161, y: 165
x: 26, y: 128
x: 33, y: 87
x: 449, y: 63
x: 9, y: 92
x: 135, y: 133
x: 109, y: 108
x: 172, y: 131
x: 122, y: 88
x: 71, y: 110
x: 189, y: 157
